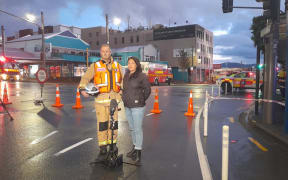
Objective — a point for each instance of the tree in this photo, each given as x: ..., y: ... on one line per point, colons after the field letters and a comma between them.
x: 258, y: 24
x: 185, y: 62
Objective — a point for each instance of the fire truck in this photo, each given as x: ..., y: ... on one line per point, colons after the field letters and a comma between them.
x: 9, y: 69
x: 241, y: 80
x: 157, y: 73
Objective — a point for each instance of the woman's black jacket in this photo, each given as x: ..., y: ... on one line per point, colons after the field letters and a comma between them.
x: 136, y: 89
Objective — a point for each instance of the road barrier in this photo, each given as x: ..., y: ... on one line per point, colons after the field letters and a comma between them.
x: 250, y: 99
x: 190, y: 111
x: 58, y: 99
x: 5, y: 96
x: 78, y: 104
x: 205, y: 115
x: 156, y: 109
x: 225, y: 152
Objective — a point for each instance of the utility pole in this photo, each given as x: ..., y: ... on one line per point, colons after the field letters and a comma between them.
x: 3, y: 40
x: 128, y: 19
x: 257, y: 81
x: 87, y: 57
x: 107, y: 28
x: 43, y: 42
x: 270, y: 69
x: 286, y: 70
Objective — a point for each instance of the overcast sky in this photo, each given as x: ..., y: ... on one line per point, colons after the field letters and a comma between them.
x: 232, y: 37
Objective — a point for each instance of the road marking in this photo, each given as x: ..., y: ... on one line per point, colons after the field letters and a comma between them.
x: 73, y: 146
x: 150, y: 114
x: 204, y: 165
x: 258, y: 144
x: 36, y: 141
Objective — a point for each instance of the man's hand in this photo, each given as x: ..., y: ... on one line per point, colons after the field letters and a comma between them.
x: 85, y: 94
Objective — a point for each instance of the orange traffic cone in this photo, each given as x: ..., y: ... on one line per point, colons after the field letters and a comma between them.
x: 78, y: 104
x: 156, y: 109
x: 5, y: 96
x: 58, y: 100
x: 190, y: 111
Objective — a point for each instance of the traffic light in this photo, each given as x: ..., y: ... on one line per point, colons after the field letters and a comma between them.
x: 260, y: 66
x: 2, y: 58
x: 227, y: 6
x: 271, y: 8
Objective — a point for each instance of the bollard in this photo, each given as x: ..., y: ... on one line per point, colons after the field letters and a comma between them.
x: 212, y: 91
x: 206, y: 99
x: 232, y: 86
x: 206, y: 119
x: 225, y: 152
x: 219, y: 90
x: 225, y: 88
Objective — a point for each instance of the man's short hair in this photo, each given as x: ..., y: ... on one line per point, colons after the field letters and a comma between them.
x: 105, y: 45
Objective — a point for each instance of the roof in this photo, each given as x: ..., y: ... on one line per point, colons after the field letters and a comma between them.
x: 65, y: 39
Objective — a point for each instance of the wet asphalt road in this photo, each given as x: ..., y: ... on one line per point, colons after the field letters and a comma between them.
x: 31, y: 145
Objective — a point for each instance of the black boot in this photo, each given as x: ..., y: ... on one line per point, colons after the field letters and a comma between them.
x: 137, y: 157
x: 131, y: 152
x: 102, y: 154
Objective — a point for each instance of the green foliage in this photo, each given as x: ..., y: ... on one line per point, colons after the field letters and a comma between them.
x: 258, y: 24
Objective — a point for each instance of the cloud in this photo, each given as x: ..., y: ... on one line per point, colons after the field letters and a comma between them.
x: 230, y: 30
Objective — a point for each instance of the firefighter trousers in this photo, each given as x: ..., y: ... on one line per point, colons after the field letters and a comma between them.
x: 102, y: 107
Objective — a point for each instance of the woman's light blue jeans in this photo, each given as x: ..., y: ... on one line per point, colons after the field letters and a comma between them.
x: 135, y: 121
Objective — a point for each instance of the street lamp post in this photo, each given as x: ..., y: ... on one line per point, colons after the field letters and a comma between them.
x: 43, y: 59
x: 3, y: 41
x: 107, y: 29
x: 286, y: 70
x: 31, y: 19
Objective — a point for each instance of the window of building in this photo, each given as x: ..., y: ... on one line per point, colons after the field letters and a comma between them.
x: 97, y: 34
x: 90, y: 43
x: 90, y: 34
x: 115, y: 40
x: 131, y: 39
x: 137, y: 39
x: 123, y: 40
x: 97, y: 43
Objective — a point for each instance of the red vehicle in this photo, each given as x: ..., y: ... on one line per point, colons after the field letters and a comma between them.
x: 9, y: 69
x: 157, y: 73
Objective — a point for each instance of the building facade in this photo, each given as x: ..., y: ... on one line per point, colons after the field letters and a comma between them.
x: 65, y: 53
x: 194, y: 40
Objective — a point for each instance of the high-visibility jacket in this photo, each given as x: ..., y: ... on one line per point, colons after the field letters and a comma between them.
x: 102, y: 77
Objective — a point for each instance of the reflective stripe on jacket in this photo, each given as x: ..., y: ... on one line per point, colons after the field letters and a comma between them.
x: 102, y: 77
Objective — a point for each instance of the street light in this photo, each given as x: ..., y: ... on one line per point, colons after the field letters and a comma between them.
x: 117, y: 21
x: 31, y: 18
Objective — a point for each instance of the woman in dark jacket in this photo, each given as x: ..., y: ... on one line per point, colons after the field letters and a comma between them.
x: 136, y: 90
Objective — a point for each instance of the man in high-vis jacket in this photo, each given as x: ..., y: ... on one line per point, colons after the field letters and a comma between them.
x: 107, y: 78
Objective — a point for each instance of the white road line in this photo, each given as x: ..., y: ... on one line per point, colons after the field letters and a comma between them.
x: 36, y: 141
x: 204, y: 165
x: 149, y: 114
x: 73, y: 146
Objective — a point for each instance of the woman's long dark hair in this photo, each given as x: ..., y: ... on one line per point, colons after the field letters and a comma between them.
x: 138, y: 65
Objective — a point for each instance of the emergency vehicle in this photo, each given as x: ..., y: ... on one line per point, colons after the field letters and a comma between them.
x: 157, y: 73
x: 281, y: 78
x: 241, y: 80
x: 9, y: 69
